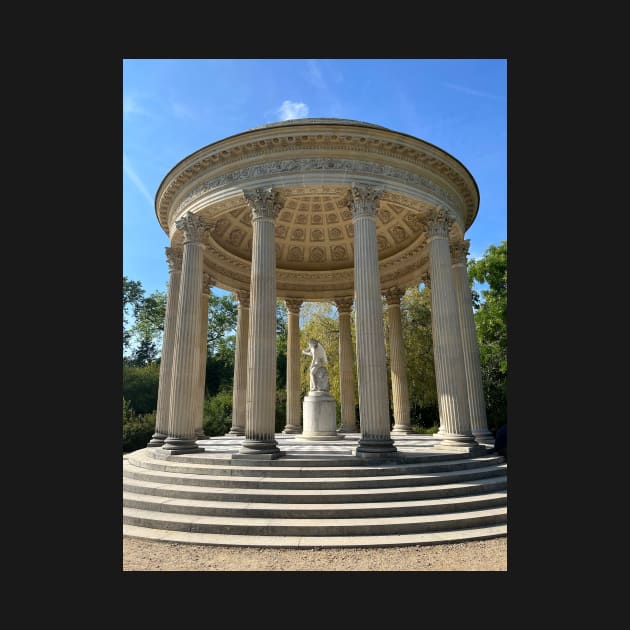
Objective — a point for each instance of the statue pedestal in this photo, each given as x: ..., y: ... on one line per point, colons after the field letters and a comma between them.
x: 319, y: 418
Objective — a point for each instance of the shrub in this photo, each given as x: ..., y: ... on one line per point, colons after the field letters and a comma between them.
x: 140, y: 387
x: 217, y: 414
x: 136, y: 429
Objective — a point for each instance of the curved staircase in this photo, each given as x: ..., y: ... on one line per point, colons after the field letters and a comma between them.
x: 315, y: 496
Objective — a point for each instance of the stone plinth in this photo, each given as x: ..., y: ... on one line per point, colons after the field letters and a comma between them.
x: 319, y: 421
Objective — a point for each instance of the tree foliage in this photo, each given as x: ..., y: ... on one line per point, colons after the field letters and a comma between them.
x: 491, y: 323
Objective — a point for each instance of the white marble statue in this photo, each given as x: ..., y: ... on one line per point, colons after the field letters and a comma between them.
x: 319, y: 372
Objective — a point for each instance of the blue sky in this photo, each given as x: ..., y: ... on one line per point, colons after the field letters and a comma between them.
x: 172, y: 107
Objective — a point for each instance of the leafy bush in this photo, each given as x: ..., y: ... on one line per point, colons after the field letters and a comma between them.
x: 140, y: 387
x: 136, y: 429
x: 217, y: 414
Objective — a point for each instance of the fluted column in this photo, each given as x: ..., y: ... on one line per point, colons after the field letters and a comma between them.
x: 470, y: 345
x: 203, y: 354
x: 398, y: 363
x: 185, y: 375
x: 346, y: 367
x: 261, y: 350
x: 174, y: 258
x: 294, y: 415
x: 371, y: 363
x: 447, y: 343
x: 239, y: 389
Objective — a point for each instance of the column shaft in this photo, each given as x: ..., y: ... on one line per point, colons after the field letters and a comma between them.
x: 346, y: 367
x: 470, y: 345
x: 447, y: 345
x: 203, y: 354
x: 174, y: 257
x: 371, y: 362
x: 184, y: 380
x: 398, y: 364
x: 294, y: 412
x: 261, y: 350
x: 239, y: 390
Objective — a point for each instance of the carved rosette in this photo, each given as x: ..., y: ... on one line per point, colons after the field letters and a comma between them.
x: 264, y: 203
x: 365, y: 199
x: 243, y: 298
x: 207, y: 283
x: 438, y: 223
x: 393, y: 296
x: 293, y: 306
x: 344, y: 304
x: 459, y: 252
x: 174, y: 257
x: 193, y: 227
x: 425, y: 278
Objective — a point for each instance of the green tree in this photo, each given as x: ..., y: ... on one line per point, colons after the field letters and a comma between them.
x: 491, y: 323
x: 415, y: 312
x: 133, y: 294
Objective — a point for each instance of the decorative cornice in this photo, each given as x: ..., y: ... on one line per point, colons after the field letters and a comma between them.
x: 393, y: 295
x: 365, y: 200
x: 265, y: 203
x: 438, y: 223
x: 459, y: 252
x: 174, y: 257
x: 303, y: 165
x: 193, y: 227
x: 293, y: 306
x: 345, y: 140
x: 344, y: 304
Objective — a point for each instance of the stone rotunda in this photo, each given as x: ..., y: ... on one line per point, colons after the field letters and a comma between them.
x: 317, y: 210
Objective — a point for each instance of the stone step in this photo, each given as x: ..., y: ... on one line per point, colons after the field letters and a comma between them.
x: 313, y: 510
x: 315, y: 527
x: 318, y: 542
x: 144, y: 460
x: 316, y: 483
x: 173, y: 487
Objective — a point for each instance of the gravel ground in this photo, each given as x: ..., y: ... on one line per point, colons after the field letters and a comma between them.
x: 148, y: 555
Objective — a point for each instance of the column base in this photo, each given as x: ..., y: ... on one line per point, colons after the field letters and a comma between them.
x: 484, y: 437
x: 374, y: 447
x: 157, y: 439
x: 353, y: 429
x: 259, y: 449
x: 291, y: 428
x: 238, y: 431
x: 459, y: 441
x: 401, y: 429
x: 200, y: 435
x: 178, y: 446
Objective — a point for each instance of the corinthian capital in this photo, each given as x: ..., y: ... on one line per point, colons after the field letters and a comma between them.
x: 265, y: 203
x: 365, y: 200
x: 393, y: 295
x: 193, y: 227
x: 243, y: 298
x: 438, y: 223
x: 174, y: 257
x: 459, y: 252
x: 207, y: 283
x: 293, y: 306
x: 344, y: 304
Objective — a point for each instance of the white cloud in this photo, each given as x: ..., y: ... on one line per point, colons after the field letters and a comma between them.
x: 467, y: 90
x: 315, y: 75
x: 133, y: 176
x: 289, y: 110
x: 182, y: 111
x: 131, y: 106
